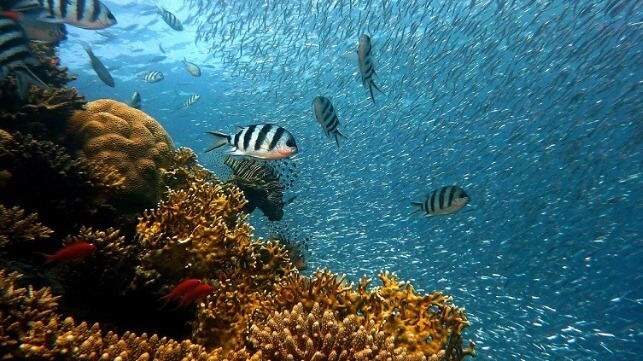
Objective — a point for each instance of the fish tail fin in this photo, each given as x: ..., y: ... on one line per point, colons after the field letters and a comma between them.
x: 417, y: 206
x: 25, y: 78
x: 49, y: 258
x: 338, y: 135
x: 370, y: 89
x: 375, y: 86
x: 220, y: 140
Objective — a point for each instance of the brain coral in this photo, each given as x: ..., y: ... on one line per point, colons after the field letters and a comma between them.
x: 117, y: 136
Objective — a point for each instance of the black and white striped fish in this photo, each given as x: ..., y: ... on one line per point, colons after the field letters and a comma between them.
x: 153, y: 76
x: 98, y: 66
x: 86, y: 14
x: 190, y: 101
x: 15, y: 55
x: 445, y: 200
x: 327, y: 116
x: 263, y: 141
x: 365, y: 62
x: 170, y: 19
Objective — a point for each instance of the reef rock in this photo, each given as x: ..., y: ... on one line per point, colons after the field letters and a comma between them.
x: 126, y: 140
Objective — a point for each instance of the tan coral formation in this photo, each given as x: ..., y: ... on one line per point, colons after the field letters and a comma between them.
x: 18, y: 227
x: 113, y: 134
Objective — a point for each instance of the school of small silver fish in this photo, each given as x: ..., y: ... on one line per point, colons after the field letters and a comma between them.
x: 514, y: 125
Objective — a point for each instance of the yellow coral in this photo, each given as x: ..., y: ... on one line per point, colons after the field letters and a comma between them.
x: 113, y: 134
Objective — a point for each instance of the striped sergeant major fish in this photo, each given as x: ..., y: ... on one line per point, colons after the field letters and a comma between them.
x: 98, y: 66
x: 263, y: 141
x: 445, y: 200
x: 15, y: 55
x: 85, y: 14
x: 327, y: 116
x: 170, y: 19
x: 153, y: 76
x: 190, y: 101
x: 365, y: 62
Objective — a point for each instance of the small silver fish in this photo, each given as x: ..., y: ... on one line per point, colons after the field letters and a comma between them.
x: 136, y: 101
x: 192, y: 68
x: 98, y: 66
x: 445, y: 200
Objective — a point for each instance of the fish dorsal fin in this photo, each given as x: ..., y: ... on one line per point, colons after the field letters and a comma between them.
x: 239, y: 128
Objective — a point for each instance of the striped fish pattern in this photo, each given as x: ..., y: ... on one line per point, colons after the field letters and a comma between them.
x: 136, y: 101
x: 153, y: 76
x: 86, y: 14
x: 16, y: 57
x: 365, y: 62
x: 445, y: 200
x: 190, y: 101
x: 170, y: 19
x: 326, y: 115
x: 263, y: 141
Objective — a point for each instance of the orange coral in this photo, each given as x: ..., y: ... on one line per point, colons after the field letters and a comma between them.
x: 113, y: 134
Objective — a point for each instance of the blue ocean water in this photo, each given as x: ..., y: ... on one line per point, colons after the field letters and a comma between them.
x: 534, y: 107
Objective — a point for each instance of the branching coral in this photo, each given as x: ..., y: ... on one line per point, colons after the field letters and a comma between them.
x: 30, y: 328
x: 322, y: 335
x: 17, y: 227
x: 110, y: 133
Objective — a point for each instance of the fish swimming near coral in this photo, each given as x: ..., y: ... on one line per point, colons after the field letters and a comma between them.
x: 74, y: 251
x: 15, y: 54
x: 153, y: 76
x: 170, y: 19
x: 85, y: 14
x: 199, y: 291
x: 263, y: 141
x: 445, y: 200
x: 326, y: 115
x: 98, y: 66
x: 180, y: 290
x: 365, y: 62
x: 192, y: 68
x: 136, y: 101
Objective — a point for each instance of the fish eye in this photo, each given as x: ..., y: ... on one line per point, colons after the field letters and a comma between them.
x: 110, y: 16
x: 291, y: 143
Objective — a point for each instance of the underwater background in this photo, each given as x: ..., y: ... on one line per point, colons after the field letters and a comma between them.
x: 533, y: 107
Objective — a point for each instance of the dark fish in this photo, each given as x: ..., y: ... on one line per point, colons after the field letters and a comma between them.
x: 153, y: 76
x: 161, y: 48
x: 327, y: 116
x: 136, y: 101
x: 445, y: 200
x: 86, y: 14
x: 98, y: 66
x: 263, y: 141
x: 293, y: 240
x: 280, y: 174
x: 190, y: 101
x: 365, y: 61
x: 170, y: 19
x: 15, y: 55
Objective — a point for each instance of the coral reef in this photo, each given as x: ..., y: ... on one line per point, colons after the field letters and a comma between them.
x: 42, y: 177
x: 319, y: 335
x: 18, y: 228
x: 126, y: 140
x: 45, y: 112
